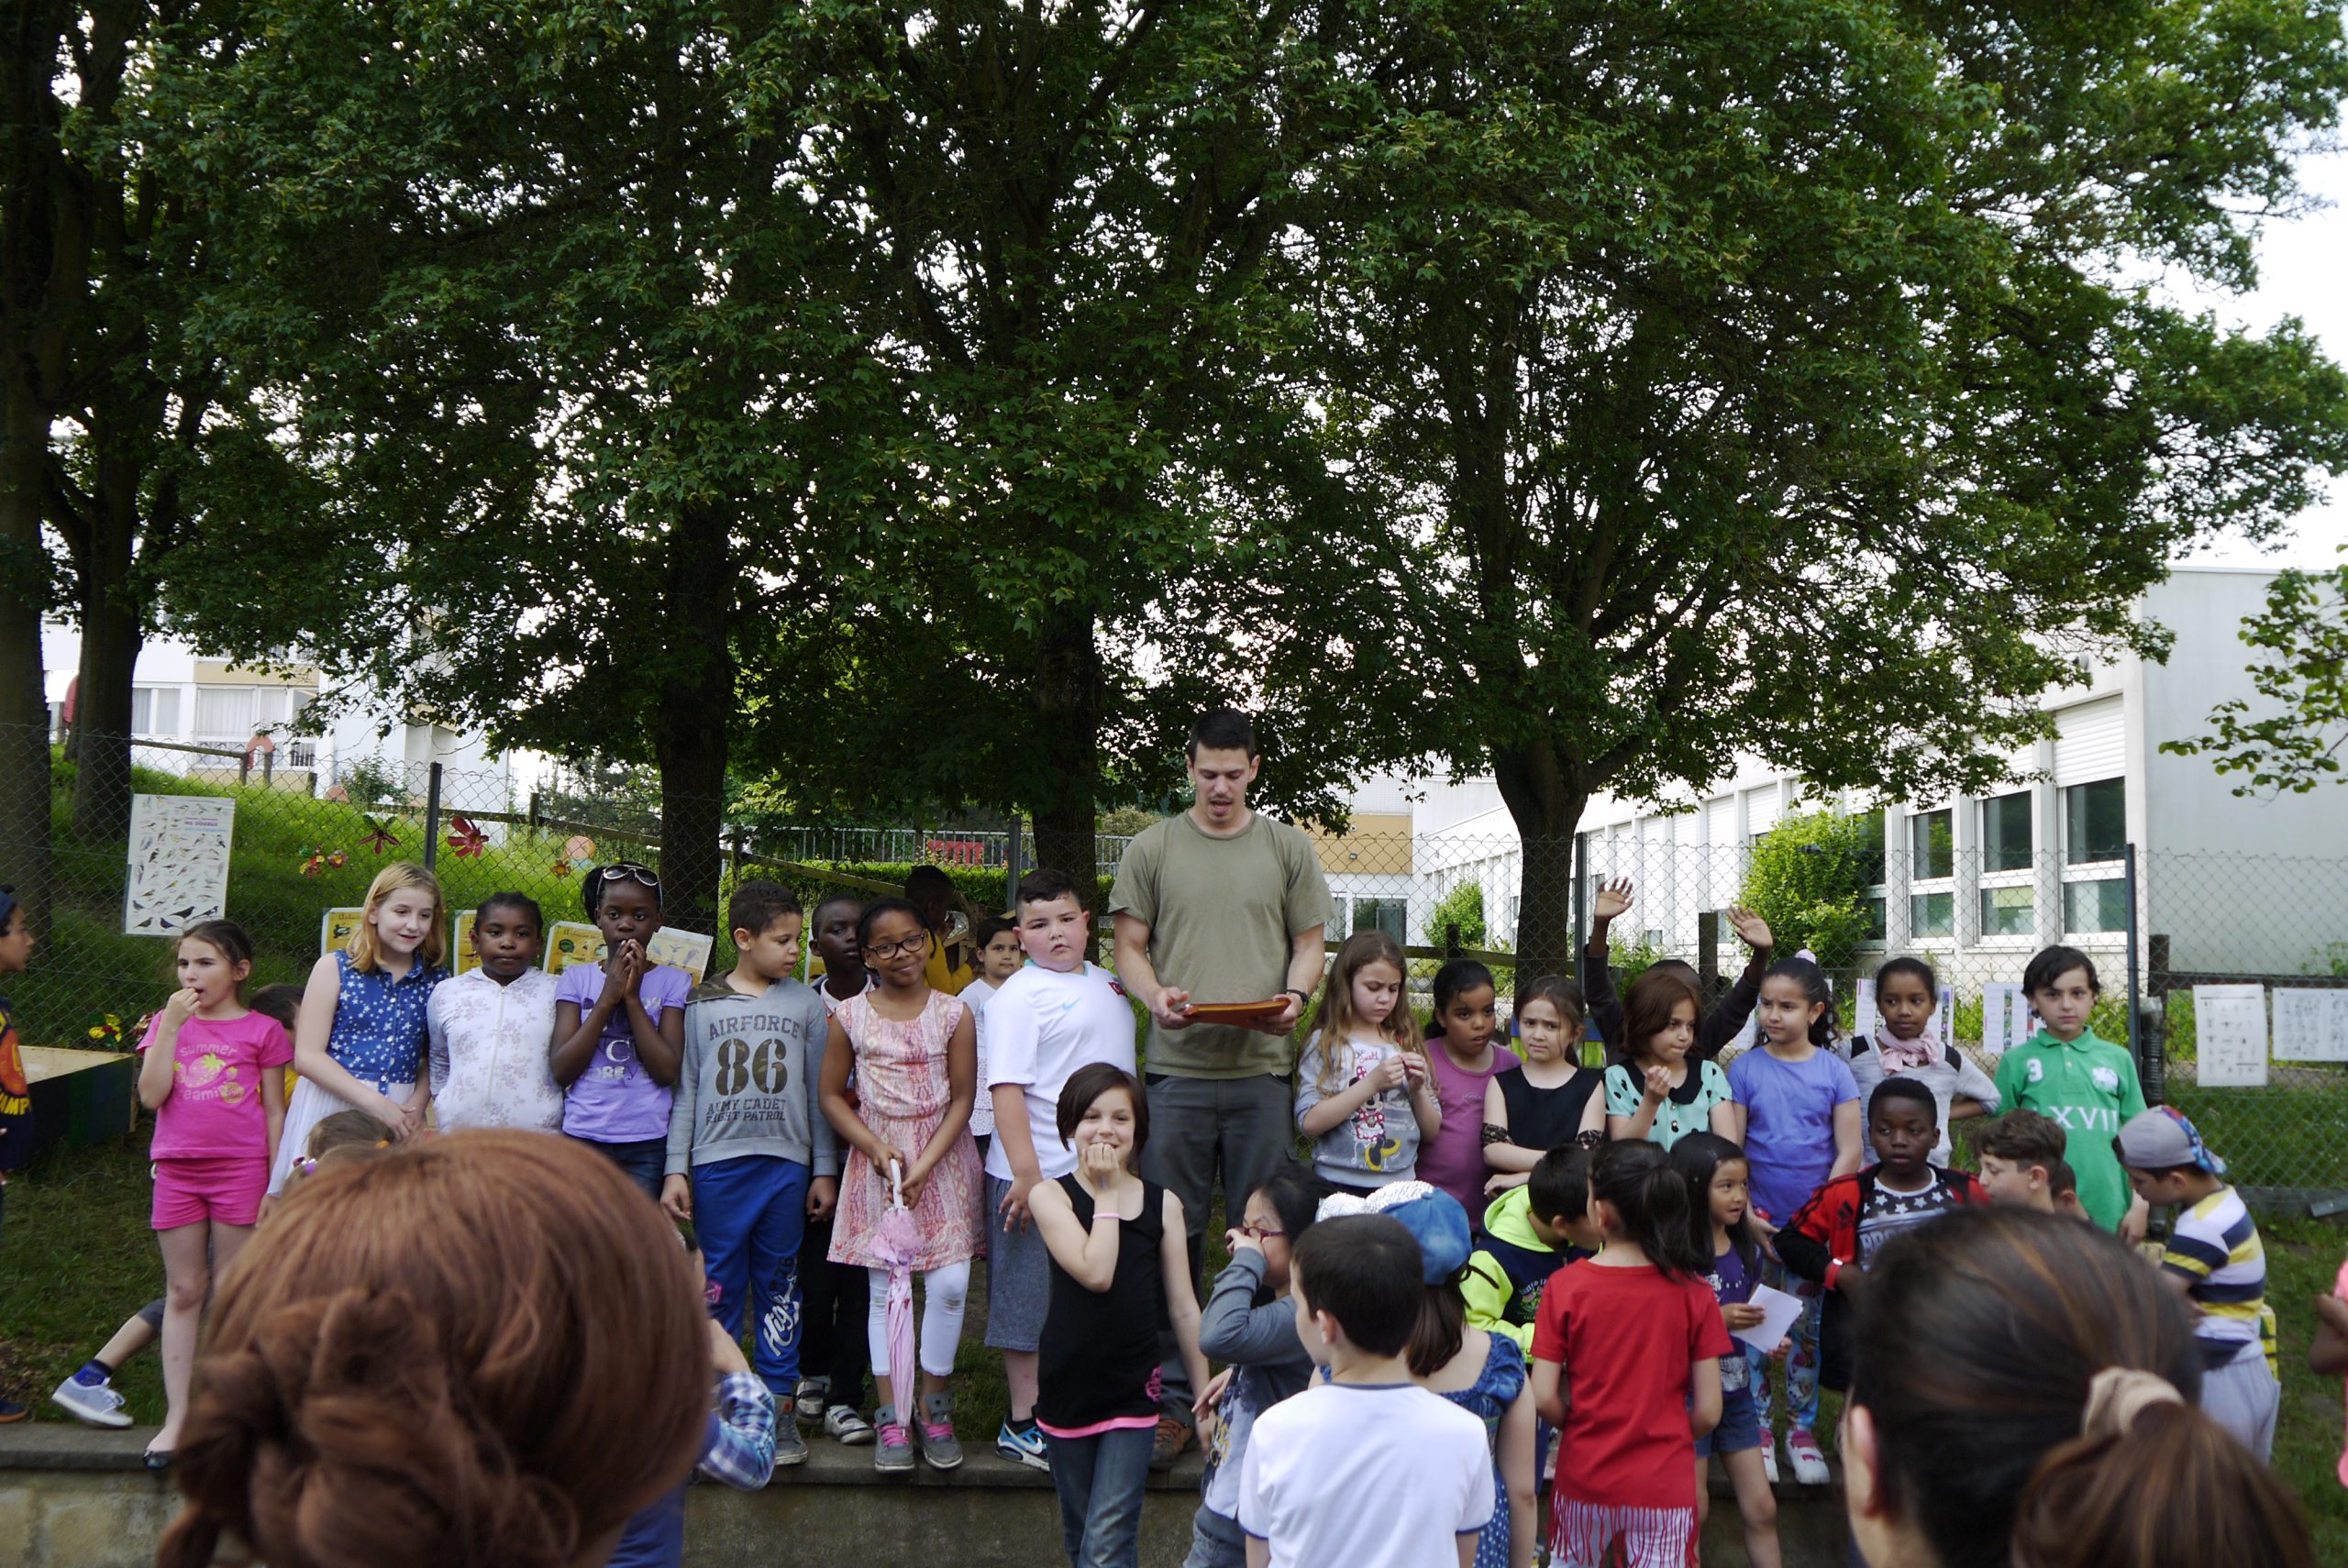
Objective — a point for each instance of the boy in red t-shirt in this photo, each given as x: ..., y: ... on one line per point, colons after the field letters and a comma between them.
x: 1626, y: 1354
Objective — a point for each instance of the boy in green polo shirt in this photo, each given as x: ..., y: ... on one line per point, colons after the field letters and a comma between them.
x: 2084, y: 1084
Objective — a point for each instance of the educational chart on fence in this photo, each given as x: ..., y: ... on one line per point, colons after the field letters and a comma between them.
x: 2311, y: 1025
x: 179, y: 862
x: 2230, y: 1030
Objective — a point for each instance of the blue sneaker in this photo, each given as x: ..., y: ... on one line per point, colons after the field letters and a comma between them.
x: 1024, y: 1445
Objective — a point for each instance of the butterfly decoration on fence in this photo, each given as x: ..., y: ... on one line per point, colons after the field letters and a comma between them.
x: 466, y: 839
x: 560, y: 868
x: 319, y: 862
x: 104, y: 1030
x: 379, y: 837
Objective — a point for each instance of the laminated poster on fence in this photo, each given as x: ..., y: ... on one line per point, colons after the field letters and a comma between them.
x: 2230, y: 1036
x: 2310, y: 1025
x: 2007, y: 1019
x: 179, y: 862
x: 572, y: 941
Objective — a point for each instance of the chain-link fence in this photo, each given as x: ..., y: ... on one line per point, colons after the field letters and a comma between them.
x: 301, y: 846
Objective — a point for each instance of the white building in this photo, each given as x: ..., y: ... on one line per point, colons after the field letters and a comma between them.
x: 2239, y: 884
x: 181, y: 699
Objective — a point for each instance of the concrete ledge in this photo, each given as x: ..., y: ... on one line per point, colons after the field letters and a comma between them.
x: 74, y: 1498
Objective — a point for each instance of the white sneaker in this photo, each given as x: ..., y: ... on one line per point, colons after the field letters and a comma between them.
x: 93, y: 1403
x: 1810, y: 1465
x: 1769, y: 1458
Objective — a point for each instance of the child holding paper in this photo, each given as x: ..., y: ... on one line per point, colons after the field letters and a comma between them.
x: 1720, y: 1219
x: 1836, y: 1234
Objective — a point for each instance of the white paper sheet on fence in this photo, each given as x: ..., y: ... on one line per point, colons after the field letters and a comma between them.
x: 179, y: 862
x: 2230, y: 1036
x: 2311, y: 1025
x: 1941, y: 1027
x: 2005, y: 1018
x: 572, y: 941
x: 1781, y: 1309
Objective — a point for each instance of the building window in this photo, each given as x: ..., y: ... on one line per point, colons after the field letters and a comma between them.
x: 1932, y: 914
x: 2005, y: 836
x: 223, y: 711
x: 1872, y: 906
x: 2009, y: 911
x: 2095, y: 906
x: 1871, y: 848
x: 154, y: 711
x: 1388, y: 915
x: 2095, y: 824
x: 1931, y: 849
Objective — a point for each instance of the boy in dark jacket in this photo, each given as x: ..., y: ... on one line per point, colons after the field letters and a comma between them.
x: 1837, y: 1233
x: 1530, y: 1232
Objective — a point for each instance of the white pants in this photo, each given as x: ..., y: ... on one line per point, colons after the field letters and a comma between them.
x: 945, y: 1293
x: 2243, y: 1397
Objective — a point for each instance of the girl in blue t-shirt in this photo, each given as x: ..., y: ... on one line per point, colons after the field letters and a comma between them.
x: 1719, y: 1183
x: 1797, y: 1117
x: 359, y: 1038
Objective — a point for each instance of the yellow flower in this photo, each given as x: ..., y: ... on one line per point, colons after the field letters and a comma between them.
x: 98, y: 1035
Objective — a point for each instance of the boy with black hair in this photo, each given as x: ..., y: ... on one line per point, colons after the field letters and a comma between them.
x: 1832, y: 1238
x: 15, y: 1090
x: 1056, y: 1014
x: 1367, y: 1468
x: 746, y: 1124
x: 2216, y: 1261
x: 834, y: 1343
x: 1530, y: 1232
x: 2017, y: 1153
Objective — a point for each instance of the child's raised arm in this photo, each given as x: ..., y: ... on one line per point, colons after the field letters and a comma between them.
x: 1652, y: 1084
x: 576, y: 1034
x: 1088, y: 1254
x: 1317, y: 1113
x: 155, y: 1069
x: 312, y: 1027
x: 660, y: 1047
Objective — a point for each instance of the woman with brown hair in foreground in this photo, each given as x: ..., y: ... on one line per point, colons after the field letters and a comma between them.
x: 2023, y: 1397
x: 484, y: 1349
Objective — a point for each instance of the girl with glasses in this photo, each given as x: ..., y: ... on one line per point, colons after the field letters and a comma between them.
x: 913, y: 1052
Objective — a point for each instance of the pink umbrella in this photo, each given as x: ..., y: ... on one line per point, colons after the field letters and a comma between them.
x: 897, y: 1242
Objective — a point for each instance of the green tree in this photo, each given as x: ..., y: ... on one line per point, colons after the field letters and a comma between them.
x: 1462, y: 907
x: 2301, y: 668
x: 566, y: 357
x: 1758, y: 378
x: 1808, y: 878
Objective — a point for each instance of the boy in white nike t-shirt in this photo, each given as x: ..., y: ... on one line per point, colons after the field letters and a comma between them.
x: 1416, y: 1485
x: 1053, y: 1016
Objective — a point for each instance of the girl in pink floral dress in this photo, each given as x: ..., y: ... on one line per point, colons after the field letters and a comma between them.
x: 913, y: 1054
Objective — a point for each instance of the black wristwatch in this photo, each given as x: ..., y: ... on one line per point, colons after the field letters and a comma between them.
x: 1303, y: 998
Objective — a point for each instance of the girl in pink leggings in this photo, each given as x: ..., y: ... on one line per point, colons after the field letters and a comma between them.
x: 214, y: 1077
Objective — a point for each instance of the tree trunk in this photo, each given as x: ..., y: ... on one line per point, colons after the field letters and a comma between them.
x: 111, y: 637
x: 24, y: 704
x: 1545, y: 800
x: 1067, y: 688
x: 695, y: 705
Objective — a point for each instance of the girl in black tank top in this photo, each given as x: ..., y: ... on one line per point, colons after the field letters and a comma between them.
x: 1120, y: 1269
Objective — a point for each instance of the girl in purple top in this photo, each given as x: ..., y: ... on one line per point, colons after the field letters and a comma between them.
x: 1465, y: 1020
x: 619, y: 1028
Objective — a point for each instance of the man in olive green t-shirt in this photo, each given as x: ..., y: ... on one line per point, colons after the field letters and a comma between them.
x: 1217, y: 905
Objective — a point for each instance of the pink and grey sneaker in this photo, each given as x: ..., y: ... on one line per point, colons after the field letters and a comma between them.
x: 1810, y: 1465
x: 939, y: 1446
x: 893, y: 1453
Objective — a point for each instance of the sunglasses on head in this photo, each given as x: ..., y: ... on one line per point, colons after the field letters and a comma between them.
x: 629, y: 871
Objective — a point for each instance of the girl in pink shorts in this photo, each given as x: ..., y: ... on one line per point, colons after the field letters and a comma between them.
x: 213, y: 1076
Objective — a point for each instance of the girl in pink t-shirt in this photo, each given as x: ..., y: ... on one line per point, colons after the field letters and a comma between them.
x: 214, y: 1078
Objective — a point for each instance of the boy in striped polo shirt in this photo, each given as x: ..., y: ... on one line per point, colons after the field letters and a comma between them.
x: 2215, y: 1259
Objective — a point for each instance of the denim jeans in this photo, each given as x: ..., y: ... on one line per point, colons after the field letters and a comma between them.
x: 1099, y: 1481
x: 644, y: 1162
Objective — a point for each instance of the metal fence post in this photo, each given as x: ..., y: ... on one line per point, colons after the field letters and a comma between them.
x: 1015, y: 854
x: 432, y: 817
x: 534, y: 814
x: 2135, y: 996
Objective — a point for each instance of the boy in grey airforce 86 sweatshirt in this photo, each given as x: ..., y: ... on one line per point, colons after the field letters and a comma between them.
x: 751, y: 1158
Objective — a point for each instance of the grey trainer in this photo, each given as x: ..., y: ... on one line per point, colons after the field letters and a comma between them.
x: 939, y: 1446
x: 893, y: 1452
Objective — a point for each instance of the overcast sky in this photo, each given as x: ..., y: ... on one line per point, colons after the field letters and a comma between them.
x: 2303, y: 272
